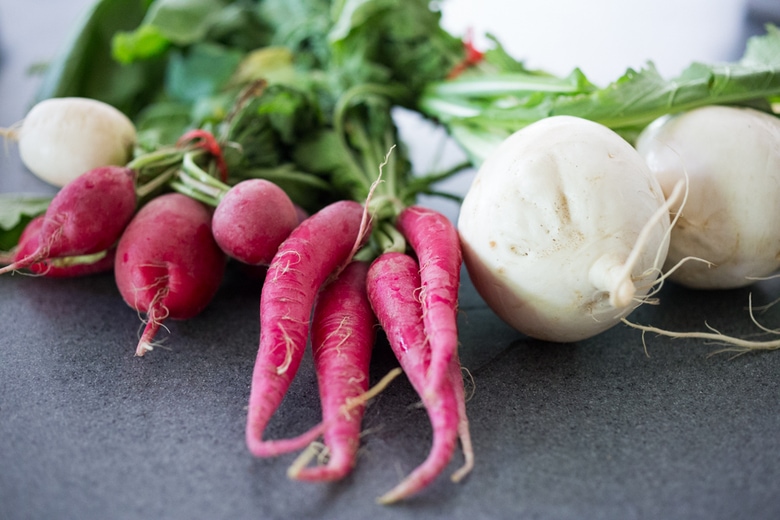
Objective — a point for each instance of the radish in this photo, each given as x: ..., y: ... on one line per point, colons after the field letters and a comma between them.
x: 252, y: 219
x: 316, y: 248
x: 564, y: 229
x: 63, y: 267
x: 435, y: 241
x: 731, y: 217
x: 85, y: 217
x: 61, y: 138
x: 393, y: 283
x: 167, y: 262
x: 342, y: 339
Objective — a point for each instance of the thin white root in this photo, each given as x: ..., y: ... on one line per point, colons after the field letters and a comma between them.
x: 739, y: 345
x: 372, y: 392
x: 313, y: 450
x: 365, y: 220
x: 288, y: 354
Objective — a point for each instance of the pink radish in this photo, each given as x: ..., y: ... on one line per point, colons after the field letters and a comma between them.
x: 435, y: 241
x: 86, y: 216
x: 252, y: 219
x: 393, y: 283
x: 342, y: 339
x: 62, y: 267
x: 313, y: 251
x: 167, y: 263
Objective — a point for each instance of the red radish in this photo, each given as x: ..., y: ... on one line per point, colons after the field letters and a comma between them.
x: 86, y: 216
x: 393, y: 282
x: 252, y: 219
x: 63, y: 267
x: 342, y: 338
x: 435, y: 241
x: 313, y: 251
x: 167, y: 263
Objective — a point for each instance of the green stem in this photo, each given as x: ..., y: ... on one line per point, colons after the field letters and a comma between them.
x: 208, y: 192
x: 188, y: 190
x: 192, y: 169
x: 157, y: 182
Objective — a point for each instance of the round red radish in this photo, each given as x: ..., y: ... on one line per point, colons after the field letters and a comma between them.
x: 252, y: 220
x: 63, y: 267
x: 167, y: 263
x: 86, y: 216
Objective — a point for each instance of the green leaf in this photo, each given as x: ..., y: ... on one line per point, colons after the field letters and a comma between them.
x: 16, y: 211
x: 481, y: 109
x: 144, y: 43
x: 161, y: 124
x: 183, y: 22
x: 200, y: 71
x: 85, y: 66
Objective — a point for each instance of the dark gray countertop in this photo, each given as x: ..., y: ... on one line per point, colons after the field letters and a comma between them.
x: 597, y: 429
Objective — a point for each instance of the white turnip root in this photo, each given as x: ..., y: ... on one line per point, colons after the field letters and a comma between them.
x: 61, y: 138
x: 731, y: 217
x: 564, y: 229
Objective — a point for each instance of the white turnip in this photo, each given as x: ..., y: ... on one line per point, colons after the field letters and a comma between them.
x: 61, y: 138
x: 731, y: 216
x: 564, y: 229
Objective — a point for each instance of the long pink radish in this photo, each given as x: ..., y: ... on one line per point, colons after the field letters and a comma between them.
x: 86, y: 216
x: 304, y: 261
x: 342, y: 340
x: 435, y: 241
x: 393, y: 284
x: 167, y: 263
x: 61, y: 267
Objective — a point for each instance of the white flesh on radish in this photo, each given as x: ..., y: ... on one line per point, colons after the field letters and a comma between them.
x: 61, y: 138
x: 564, y: 229
x: 731, y: 217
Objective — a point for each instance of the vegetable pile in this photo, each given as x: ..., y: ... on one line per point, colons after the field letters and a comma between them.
x: 263, y: 133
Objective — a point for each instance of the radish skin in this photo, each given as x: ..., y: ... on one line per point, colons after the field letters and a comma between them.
x: 85, y: 217
x: 61, y: 138
x: 252, y: 219
x: 342, y: 340
x: 167, y: 263
x: 435, y: 241
x: 393, y: 283
x: 313, y: 251
x: 63, y: 267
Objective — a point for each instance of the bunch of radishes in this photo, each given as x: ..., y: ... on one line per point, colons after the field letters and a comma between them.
x: 168, y: 251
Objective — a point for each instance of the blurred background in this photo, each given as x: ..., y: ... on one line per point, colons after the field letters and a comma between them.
x: 601, y: 37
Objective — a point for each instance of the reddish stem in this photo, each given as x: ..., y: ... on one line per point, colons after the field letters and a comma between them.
x: 473, y: 56
x: 205, y: 140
